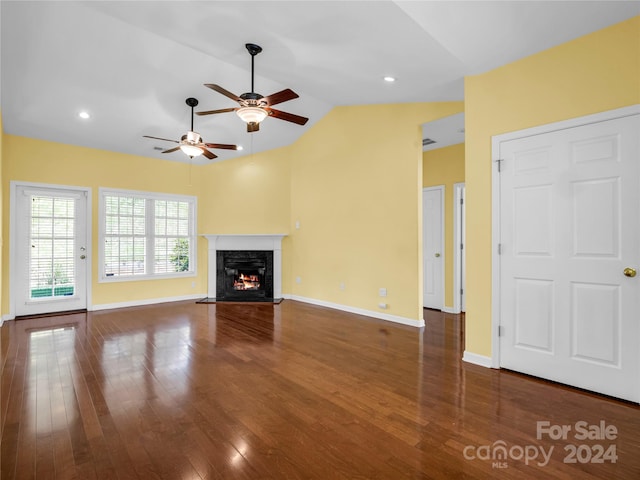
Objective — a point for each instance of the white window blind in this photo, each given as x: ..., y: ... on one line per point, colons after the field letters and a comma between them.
x: 171, y: 236
x: 146, y: 235
x: 51, y: 262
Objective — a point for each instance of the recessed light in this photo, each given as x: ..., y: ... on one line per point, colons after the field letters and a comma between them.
x: 84, y: 115
x: 389, y: 79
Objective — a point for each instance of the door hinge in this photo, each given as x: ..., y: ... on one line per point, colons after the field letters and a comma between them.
x: 462, y: 246
x: 500, y: 330
x: 461, y: 291
x: 462, y: 201
x: 499, y: 249
x: 499, y: 162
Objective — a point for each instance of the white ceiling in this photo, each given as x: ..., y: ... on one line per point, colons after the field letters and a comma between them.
x: 132, y: 64
x: 444, y: 132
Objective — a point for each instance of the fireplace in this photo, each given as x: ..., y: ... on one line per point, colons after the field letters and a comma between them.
x: 257, y: 257
x: 244, y: 275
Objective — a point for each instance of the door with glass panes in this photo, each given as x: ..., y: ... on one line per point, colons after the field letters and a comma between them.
x: 51, y: 255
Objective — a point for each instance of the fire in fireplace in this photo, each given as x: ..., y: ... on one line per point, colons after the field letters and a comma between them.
x: 246, y: 282
x: 244, y: 275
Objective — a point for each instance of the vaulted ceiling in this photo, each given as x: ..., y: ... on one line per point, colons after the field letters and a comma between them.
x: 131, y: 65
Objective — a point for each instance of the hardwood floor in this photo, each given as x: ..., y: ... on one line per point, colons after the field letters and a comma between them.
x: 289, y: 391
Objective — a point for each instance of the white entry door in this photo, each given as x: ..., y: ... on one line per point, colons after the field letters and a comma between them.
x: 570, y: 242
x: 51, y: 255
x: 432, y: 238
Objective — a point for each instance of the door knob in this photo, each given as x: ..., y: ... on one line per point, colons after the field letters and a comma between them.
x: 629, y: 272
x: 437, y: 254
x: 83, y: 257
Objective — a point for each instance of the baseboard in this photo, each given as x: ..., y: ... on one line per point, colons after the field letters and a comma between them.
x: 476, y: 359
x: 450, y: 310
x: 359, y: 311
x: 345, y: 308
x: 149, y: 301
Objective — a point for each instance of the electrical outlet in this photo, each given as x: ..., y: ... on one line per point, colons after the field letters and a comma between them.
x: 382, y: 292
x: 342, y: 286
x: 193, y: 284
x: 297, y: 224
x: 383, y: 306
x: 298, y: 280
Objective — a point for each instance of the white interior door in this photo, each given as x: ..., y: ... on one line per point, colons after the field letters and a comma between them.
x: 569, y: 238
x: 433, y: 241
x: 51, y: 254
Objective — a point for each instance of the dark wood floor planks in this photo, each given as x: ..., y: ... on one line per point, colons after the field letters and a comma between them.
x: 288, y: 391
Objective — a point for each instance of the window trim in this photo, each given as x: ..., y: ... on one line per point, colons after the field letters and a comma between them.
x: 193, y: 254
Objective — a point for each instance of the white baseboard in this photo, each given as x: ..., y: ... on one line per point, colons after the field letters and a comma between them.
x: 133, y: 303
x: 149, y: 301
x: 450, y: 310
x: 476, y: 359
x: 345, y: 308
x: 359, y: 311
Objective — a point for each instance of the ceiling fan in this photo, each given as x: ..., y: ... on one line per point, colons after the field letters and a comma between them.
x: 254, y: 107
x: 191, y: 143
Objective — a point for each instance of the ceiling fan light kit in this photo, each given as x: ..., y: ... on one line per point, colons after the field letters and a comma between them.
x: 191, y: 150
x: 189, y: 142
x: 252, y: 114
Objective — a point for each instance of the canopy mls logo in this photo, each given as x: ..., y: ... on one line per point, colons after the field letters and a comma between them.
x: 499, y: 453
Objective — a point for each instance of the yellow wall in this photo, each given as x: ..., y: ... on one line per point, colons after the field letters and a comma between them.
x: 249, y: 195
x: 356, y: 191
x: 445, y: 166
x: 594, y: 73
x: 353, y: 181
x: 39, y: 161
x: 224, y: 190
x: 2, y: 230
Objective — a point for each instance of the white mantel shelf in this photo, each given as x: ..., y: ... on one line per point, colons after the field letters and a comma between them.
x: 260, y: 241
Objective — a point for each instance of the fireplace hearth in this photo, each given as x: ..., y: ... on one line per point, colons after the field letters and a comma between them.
x: 244, y: 275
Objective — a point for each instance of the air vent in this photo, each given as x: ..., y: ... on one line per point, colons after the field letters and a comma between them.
x: 427, y: 141
x: 158, y: 148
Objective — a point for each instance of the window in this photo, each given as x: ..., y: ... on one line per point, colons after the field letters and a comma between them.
x: 146, y: 235
x: 52, y: 267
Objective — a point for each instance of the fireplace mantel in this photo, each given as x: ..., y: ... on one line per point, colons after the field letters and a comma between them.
x: 245, y: 242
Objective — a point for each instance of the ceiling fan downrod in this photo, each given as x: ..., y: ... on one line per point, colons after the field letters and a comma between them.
x: 192, y: 102
x: 253, y: 50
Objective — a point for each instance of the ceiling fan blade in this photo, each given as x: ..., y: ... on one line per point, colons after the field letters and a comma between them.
x: 158, y: 138
x: 223, y: 91
x: 253, y: 127
x: 171, y: 150
x: 280, y: 97
x: 208, y: 154
x: 224, y: 146
x: 222, y: 110
x: 289, y: 117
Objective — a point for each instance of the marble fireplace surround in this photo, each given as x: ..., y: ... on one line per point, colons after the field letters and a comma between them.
x: 269, y: 242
